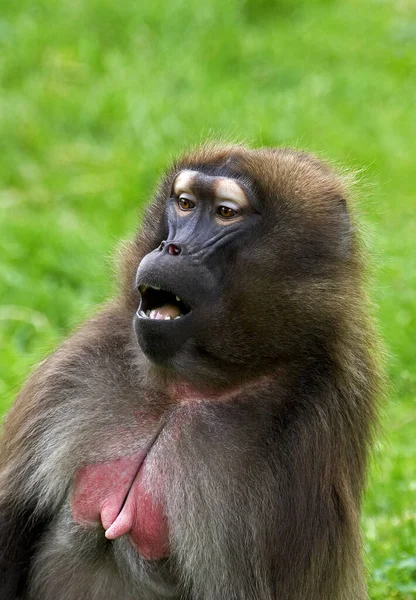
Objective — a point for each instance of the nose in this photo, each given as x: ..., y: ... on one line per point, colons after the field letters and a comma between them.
x: 170, y: 248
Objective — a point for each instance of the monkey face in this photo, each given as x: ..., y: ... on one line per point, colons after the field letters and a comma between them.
x: 183, y: 283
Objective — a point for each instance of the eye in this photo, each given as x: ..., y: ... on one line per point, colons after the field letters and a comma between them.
x: 225, y: 212
x: 185, y: 204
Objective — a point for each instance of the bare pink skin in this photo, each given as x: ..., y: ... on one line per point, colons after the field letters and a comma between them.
x: 114, y: 494
x: 185, y: 392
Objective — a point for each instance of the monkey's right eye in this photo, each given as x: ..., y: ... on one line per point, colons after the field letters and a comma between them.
x: 185, y: 203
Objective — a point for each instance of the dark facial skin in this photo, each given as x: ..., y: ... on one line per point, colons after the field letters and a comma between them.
x: 219, y: 455
x: 209, y: 218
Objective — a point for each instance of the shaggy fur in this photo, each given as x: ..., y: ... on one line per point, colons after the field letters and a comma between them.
x: 261, y: 479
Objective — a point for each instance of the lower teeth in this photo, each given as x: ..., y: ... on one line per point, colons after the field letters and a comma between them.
x: 149, y: 315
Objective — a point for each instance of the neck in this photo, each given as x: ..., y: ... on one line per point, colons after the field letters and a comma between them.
x: 184, y: 392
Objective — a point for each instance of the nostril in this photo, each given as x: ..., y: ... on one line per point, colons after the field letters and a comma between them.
x: 174, y: 250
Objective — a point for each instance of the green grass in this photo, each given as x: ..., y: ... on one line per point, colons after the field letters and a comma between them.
x: 96, y: 95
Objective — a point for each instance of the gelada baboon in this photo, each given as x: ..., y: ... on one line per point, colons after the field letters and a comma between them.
x: 205, y: 436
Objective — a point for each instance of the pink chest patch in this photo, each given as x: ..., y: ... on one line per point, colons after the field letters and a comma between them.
x: 115, y: 495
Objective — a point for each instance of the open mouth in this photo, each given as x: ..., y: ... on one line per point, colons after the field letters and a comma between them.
x: 160, y: 304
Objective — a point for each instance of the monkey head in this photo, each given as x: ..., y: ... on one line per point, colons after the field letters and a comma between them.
x: 248, y: 247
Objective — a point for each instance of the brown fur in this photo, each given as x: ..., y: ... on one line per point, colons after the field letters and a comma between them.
x: 262, y: 485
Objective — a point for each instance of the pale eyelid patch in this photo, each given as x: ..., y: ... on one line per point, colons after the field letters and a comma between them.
x: 227, y: 189
x: 183, y: 183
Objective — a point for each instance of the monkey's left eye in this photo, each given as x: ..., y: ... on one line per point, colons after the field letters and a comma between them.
x: 185, y: 203
x: 226, y: 212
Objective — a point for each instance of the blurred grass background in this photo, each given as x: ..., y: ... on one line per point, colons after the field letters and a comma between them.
x: 96, y: 95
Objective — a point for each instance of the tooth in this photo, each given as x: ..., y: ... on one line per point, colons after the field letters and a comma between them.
x: 148, y: 313
x: 156, y: 287
x: 152, y: 314
x: 178, y: 299
x: 178, y: 317
x: 168, y: 318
